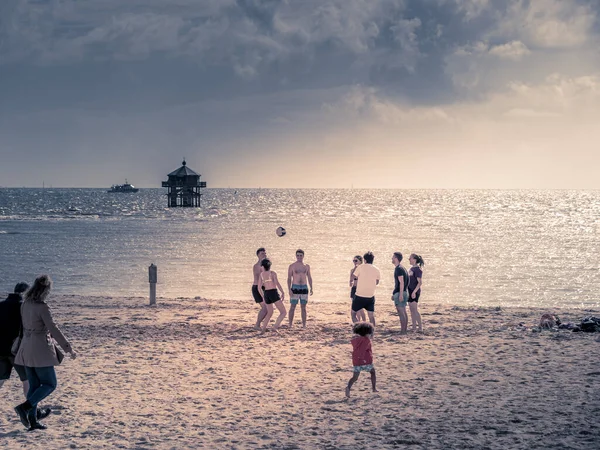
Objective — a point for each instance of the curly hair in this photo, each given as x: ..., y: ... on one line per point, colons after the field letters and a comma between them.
x: 363, y: 329
x: 40, y: 289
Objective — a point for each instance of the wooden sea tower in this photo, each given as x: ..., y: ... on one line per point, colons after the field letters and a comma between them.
x: 184, y: 187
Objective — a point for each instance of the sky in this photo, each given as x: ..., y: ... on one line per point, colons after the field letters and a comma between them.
x: 301, y: 93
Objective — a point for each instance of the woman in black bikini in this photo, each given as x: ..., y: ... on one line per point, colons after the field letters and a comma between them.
x: 269, y: 280
x: 415, y: 277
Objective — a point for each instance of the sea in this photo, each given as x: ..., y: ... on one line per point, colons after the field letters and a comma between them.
x: 480, y: 247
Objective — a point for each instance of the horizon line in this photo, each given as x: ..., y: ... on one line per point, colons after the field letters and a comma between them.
x: 333, y: 188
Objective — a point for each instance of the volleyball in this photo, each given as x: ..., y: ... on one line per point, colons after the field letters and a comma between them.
x: 280, y: 231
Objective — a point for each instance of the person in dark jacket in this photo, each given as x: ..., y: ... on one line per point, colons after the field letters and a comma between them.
x: 37, y: 351
x: 10, y: 325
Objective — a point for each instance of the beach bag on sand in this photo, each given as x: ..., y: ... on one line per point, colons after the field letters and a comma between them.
x: 14, y: 349
x: 590, y: 324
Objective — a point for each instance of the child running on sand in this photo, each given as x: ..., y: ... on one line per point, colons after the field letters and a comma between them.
x: 362, y: 354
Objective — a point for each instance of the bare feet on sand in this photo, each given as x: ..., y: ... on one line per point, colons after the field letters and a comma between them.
x: 348, y: 392
x: 375, y: 390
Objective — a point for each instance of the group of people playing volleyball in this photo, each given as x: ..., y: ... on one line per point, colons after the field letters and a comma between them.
x: 364, y: 278
x: 266, y: 290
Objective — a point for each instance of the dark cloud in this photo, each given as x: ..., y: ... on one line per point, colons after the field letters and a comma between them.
x: 190, y: 71
x: 261, y: 12
x: 263, y: 45
x: 202, y: 50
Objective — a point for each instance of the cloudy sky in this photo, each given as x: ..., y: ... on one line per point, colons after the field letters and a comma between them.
x: 301, y: 93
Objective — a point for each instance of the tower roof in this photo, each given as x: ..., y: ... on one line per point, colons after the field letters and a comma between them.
x: 183, y: 171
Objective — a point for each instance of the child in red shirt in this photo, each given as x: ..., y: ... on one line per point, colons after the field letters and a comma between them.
x: 362, y: 354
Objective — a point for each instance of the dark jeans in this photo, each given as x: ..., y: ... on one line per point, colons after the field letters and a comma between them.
x: 42, y: 382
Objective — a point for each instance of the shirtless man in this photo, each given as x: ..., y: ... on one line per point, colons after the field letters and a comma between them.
x: 261, y: 254
x: 298, y: 274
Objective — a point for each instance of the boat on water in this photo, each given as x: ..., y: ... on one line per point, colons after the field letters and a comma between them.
x: 123, y: 188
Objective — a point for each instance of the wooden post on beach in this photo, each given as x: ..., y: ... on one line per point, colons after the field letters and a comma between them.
x: 152, y: 277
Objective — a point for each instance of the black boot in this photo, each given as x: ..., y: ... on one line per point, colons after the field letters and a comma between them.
x: 23, y: 411
x: 33, y: 422
x: 42, y: 413
x: 35, y: 425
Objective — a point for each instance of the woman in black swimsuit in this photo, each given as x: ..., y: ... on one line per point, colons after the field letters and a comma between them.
x: 269, y: 280
x: 415, y: 277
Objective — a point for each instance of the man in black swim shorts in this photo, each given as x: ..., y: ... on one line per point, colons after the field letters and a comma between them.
x: 261, y: 254
x: 367, y: 276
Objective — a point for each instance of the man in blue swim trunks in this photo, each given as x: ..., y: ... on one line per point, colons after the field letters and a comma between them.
x: 299, y: 280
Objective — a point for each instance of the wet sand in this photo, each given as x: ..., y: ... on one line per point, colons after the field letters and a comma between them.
x: 191, y: 373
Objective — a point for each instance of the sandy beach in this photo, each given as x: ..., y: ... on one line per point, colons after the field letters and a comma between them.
x: 191, y: 373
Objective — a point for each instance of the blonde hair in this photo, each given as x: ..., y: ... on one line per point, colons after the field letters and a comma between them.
x: 40, y: 289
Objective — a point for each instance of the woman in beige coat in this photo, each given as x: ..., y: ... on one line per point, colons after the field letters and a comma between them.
x: 37, y: 351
